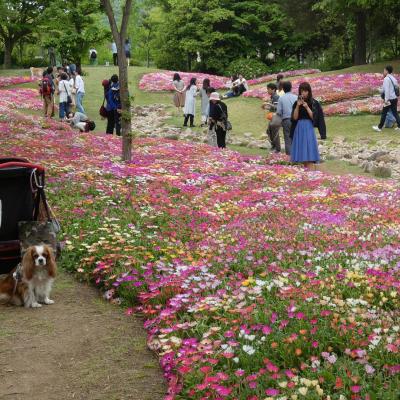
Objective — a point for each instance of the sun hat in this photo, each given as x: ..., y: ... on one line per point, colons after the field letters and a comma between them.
x: 214, y: 96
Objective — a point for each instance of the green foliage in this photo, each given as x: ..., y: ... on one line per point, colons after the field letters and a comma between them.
x: 285, y: 65
x: 18, y: 21
x: 248, y: 67
x: 82, y: 27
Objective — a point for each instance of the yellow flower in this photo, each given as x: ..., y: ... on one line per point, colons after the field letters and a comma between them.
x: 320, y: 392
x: 303, y: 391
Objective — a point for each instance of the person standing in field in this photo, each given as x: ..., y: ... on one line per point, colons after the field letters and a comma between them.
x: 284, y: 111
x: 113, y: 107
x: 114, y: 53
x: 190, y: 103
x: 306, y: 113
x: 275, y: 120
x: 64, y: 91
x: 47, y: 89
x: 205, y: 101
x: 179, y: 95
x: 93, y: 56
x: 80, y: 91
x: 390, y: 94
x: 127, y: 49
x: 218, y: 118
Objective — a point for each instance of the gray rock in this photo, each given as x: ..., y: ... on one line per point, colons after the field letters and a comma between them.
x: 382, y: 171
x: 377, y: 154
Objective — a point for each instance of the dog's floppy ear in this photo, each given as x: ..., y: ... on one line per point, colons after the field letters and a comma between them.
x: 51, y: 262
x: 28, y: 262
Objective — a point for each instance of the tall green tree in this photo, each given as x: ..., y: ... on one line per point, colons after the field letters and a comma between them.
x: 18, y: 20
x: 72, y: 27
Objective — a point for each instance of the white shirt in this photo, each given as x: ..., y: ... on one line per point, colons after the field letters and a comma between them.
x: 65, y: 90
x: 388, y: 87
x: 114, y: 47
x: 79, y: 84
x: 241, y: 82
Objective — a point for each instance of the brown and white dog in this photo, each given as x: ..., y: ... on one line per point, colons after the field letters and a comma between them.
x: 32, y: 288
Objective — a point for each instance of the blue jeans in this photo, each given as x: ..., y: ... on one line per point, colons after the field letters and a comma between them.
x: 63, y: 110
x: 79, y: 106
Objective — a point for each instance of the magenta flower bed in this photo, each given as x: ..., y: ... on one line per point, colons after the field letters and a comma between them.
x: 371, y: 105
x: 286, y: 74
x: 333, y: 88
x: 14, y: 80
x: 162, y: 81
x: 256, y: 280
x: 21, y: 98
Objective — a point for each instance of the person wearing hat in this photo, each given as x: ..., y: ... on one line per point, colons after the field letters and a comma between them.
x: 218, y: 118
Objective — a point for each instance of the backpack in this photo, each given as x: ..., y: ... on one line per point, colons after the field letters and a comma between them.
x: 45, y: 86
x: 93, y: 55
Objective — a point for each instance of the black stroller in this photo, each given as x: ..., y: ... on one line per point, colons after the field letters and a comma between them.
x: 22, y: 198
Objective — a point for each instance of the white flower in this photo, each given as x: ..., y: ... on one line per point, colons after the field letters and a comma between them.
x: 248, y: 349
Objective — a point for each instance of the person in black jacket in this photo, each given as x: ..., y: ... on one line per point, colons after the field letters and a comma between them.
x: 218, y: 118
x: 318, y: 120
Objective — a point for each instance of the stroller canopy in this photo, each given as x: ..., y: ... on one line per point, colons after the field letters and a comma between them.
x: 19, y: 182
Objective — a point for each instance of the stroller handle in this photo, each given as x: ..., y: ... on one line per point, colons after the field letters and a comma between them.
x: 11, y: 164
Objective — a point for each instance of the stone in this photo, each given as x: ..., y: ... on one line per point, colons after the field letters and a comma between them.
x: 377, y: 154
x: 354, y: 161
x: 382, y: 171
x: 338, y: 140
x: 386, y: 158
x: 367, y: 166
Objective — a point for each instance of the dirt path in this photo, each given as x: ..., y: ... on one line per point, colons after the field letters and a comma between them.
x: 79, y: 348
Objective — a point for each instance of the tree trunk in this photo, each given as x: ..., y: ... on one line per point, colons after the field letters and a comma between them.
x: 8, y: 48
x: 119, y: 38
x: 360, y: 51
x: 126, y: 117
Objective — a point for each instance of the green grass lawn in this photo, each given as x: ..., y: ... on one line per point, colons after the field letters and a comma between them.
x: 245, y: 114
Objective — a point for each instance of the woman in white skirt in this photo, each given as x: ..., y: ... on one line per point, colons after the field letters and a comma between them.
x: 205, y: 101
x: 190, y: 103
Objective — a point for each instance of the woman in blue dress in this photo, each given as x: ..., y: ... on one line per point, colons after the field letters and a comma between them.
x: 305, y: 145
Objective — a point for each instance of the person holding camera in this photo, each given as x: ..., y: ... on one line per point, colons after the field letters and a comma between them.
x: 306, y: 114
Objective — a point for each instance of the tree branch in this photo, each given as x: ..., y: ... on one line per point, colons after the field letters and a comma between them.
x: 110, y: 14
x: 125, y: 18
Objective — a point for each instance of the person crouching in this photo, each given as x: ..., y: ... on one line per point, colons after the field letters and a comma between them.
x: 81, y: 122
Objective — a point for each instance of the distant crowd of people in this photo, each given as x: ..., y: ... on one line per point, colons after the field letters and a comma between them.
x: 67, y: 84
x: 214, y: 112
x: 297, y: 115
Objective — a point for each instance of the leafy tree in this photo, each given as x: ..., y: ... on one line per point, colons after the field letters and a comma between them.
x: 18, y: 20
x: 80, y: 29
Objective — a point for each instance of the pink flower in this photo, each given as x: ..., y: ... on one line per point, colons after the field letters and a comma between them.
x: 271, y: 392
x: 355, y: 389
x: 223, y: 391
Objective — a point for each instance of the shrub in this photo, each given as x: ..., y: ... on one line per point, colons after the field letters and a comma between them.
x: 248, y: 67
x: 36, y: 62
x: 285, y: 65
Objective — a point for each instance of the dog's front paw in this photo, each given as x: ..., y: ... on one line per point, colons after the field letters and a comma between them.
x: 36, y: 305
x: 48, y: 301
